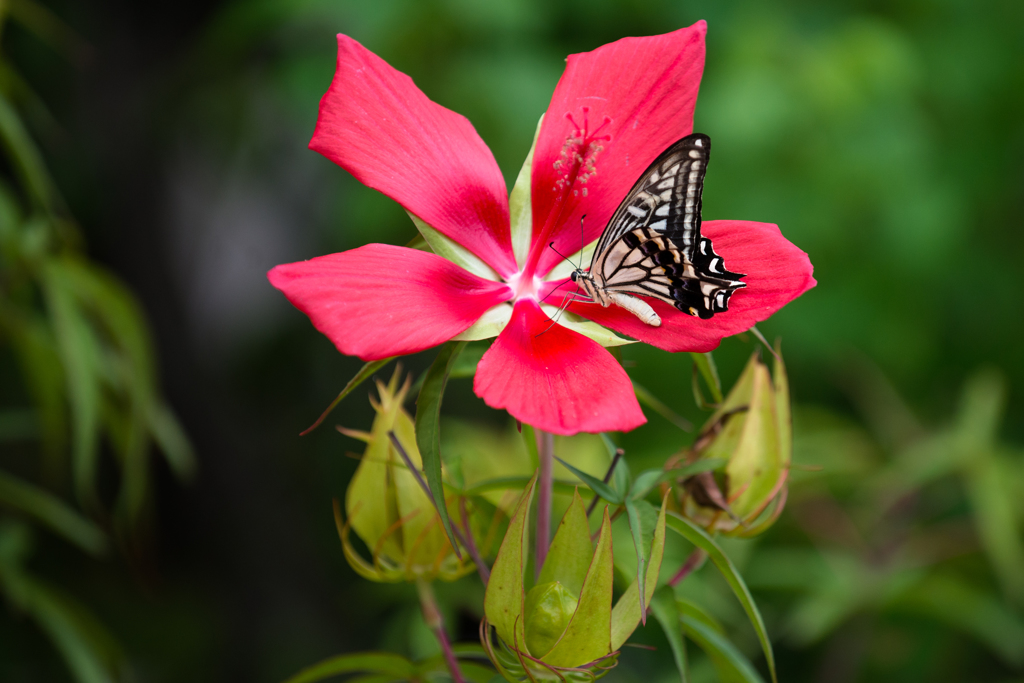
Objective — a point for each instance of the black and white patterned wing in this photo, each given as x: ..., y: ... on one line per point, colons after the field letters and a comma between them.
x: 666, y: 198
x: 653, y: 246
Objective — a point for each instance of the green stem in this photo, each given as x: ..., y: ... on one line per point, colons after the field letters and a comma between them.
x: 435, y: 622
x: 545, y: 487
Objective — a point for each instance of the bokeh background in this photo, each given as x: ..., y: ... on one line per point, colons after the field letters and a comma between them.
x: 885, y: 138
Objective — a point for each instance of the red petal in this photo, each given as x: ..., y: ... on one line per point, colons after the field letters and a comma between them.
x: 380, y: 300
x: 777, y: 272
x: 555, y: 379
x: 648, y: 88
x: 377, y: 125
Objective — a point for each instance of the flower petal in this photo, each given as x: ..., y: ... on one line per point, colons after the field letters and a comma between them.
x: 647, y: 87
x: 555, y: 379
x: 777, y: 272
x: 380, y: 300
x: 377, y: 125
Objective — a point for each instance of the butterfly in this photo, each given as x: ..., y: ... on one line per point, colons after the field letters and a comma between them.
x: 652, y: 245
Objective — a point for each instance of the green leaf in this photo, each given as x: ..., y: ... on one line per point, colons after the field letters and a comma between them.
x: 622, y: 479
x: 49, y: 28
x: 571, y: 550
x: 643, y: 519
x: 626, y: 614
x: 87, y: 648
x: 655, y: 404
x: 364, y: 373
x: 700, y: 538
x: 588, y: 636
x: 644, y: 482
x: 964, y: 607
x: 53, y: 512
x: 989, y: 486
x: 465, y: 365
x: 530, y: 441
x: 686, y: 608
x: 428, y: 428
x: 731, y: 665
x: 705, y: 365
x: 503, y: 599
x: 648, y: 479
x: 126, y: 365
x: 437, y: 666
x: 27, y: 161
x: 36, y: 349
x: 596, y: 485
x: 80, y: 355
x: 172, y: 440
x: 384, y: 663
x: 664, y: 609
x: 515, y: 483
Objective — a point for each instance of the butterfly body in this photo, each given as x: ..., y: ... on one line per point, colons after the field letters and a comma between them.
x: 652, y: 246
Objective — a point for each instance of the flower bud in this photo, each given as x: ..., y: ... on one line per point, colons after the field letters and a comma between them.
x: 388, y: 508
x: 752, y: 432
x: 565, y: 626
x: 549, y: 607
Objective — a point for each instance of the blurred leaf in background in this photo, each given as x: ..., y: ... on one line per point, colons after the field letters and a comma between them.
x: 885, y: 139
x: 83, y: 392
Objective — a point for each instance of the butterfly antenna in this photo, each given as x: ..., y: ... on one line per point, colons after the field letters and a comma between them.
x: 552, y: 247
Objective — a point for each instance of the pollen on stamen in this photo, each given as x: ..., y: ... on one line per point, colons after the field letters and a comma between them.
x: 578, y: 159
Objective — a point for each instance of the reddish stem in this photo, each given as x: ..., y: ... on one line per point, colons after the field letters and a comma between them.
x: 695, y: 560
x: 546, y: 455
x: 432, y: 616
x: 470, y: 543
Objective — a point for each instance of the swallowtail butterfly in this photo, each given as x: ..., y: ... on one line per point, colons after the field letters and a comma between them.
x: 652, y: 245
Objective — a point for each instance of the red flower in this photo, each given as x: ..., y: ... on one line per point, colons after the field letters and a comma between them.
x: 614, y: 110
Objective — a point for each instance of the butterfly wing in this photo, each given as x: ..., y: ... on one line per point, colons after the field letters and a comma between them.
x: 652, y: 246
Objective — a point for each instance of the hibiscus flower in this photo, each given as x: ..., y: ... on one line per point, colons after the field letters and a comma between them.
x: 613, y: 112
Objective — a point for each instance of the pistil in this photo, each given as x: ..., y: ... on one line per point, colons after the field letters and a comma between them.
x: 575, y: 166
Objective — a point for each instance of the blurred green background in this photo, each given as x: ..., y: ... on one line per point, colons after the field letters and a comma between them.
x: 885, y: 138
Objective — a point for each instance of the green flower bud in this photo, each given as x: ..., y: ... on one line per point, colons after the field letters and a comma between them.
x: 566, y: 625
x: 752, y: 433
x: 549, y: 607
x: 387, y: 507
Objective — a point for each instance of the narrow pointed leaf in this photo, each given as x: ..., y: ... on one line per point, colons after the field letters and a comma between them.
x: 515, y: 484
x: 588, y: 635
x: 80, y: 356
x: 700, y: 538
x: 626, y: 615
x: 705, y: 364
x: 646, y: 481
x: 503, y: 600
x: 655, y: 404
x: 729, y: 662
x: 663, y: 607
x: 399, y: 668
x: 51, y: 511
x: 643, y: 519
x: 364, y: 373
x: 428, y: 428
x: 571, y: 550
x: 596, y: 485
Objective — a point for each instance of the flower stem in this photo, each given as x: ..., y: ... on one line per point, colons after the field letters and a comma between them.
x: 546, y: 455
x: 694, y: 561
x: 470, y: 543
x: 435, y: 622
